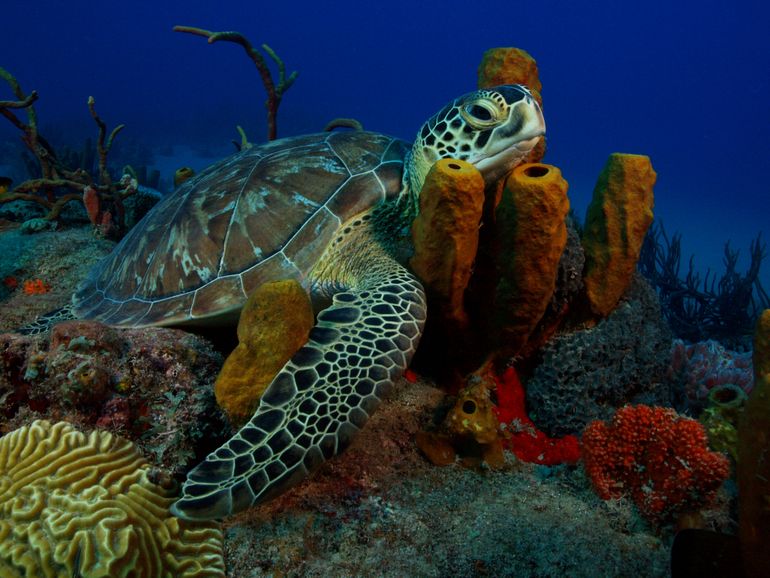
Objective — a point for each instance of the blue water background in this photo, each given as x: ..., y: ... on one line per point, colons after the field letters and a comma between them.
x: 687, y: 83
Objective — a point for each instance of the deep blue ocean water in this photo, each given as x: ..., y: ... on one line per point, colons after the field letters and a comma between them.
x: 687, y: 83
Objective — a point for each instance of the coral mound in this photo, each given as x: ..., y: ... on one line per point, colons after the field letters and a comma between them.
x: 656, y: 456
x: 73, y: 504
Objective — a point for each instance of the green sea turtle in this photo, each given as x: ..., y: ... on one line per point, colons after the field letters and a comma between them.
x: 332, y: 211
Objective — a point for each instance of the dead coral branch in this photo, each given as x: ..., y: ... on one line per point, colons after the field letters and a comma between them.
x: 58, y: 184
x: 274, y: 91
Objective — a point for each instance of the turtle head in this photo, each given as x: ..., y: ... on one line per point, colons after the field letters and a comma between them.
x: 494, y: 129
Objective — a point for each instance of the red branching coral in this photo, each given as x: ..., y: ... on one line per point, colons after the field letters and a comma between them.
x: 657, y: 457
x: 520, y: 435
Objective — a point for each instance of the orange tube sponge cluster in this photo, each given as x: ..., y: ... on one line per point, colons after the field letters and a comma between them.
x: 753, y: 462
x: 657, y: 457
x: 532, y: 234
x: 274, y: 324
x: 616, y: 223
x: 446, y: 233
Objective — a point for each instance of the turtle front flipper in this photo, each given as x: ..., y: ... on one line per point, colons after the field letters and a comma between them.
x: 320, y: 399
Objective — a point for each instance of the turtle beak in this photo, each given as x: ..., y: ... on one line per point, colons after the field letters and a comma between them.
x: 515, y: 139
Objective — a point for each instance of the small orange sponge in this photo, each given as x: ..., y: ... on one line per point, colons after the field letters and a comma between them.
x: 618, y: 217
x: 533, y: 233
x: 274, y: 324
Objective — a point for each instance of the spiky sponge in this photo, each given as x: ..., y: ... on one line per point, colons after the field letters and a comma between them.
x: 73, y: 504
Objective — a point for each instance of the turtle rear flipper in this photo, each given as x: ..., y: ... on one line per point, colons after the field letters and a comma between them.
x: 320, y: 399
x: 44, y: 323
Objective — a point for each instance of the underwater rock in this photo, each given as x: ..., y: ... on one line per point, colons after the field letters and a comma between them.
x: 586, y: 374
x: 446, y: 234
x: 275, y: 322
x: 616, y: 222
x: 154, y: 385
x: 530, y: 222
x: 89, y: 505
x: 753, y: 462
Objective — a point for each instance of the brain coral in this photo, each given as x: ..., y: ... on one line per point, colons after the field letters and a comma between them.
x: 587, y: 374
x: 73, y: 504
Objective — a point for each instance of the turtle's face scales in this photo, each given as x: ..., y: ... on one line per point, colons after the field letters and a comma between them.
x: 494, y: 129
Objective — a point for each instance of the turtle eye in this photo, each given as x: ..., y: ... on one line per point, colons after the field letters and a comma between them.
x: 480, y: 114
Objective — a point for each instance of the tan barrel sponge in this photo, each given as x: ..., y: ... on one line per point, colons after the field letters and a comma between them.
x: 89, y: 505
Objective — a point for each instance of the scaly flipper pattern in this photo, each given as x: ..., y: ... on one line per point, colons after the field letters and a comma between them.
x: 320, y: 399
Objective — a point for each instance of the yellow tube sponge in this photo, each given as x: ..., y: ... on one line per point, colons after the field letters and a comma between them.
x: 513, y: 66
x: 275, y: 322
x: 89, y: 505
x: 617, y: 220
x: 509, y: 66
x: 532, y: 234
x: 754, y: 459
x: 446, y: 233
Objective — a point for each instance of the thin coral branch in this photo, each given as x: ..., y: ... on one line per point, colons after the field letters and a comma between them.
x: 103, y: 148
x: 711, y: 307
x: 49, y: 191
x: 274, y: 91
x: 24, y: 103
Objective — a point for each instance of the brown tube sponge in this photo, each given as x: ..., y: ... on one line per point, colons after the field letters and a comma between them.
x: 753, y: 461
x: 446, y: 233
x: 532, y: 234
x: 616, y: 223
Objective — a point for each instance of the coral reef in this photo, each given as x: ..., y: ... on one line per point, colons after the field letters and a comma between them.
x: 753, y: 462
x: 275, y: 322
x: 587, y: 374
x: 488, y: 415
x: 657, y: 457
x: 532, y: 232
x: 275, y: 91
x: 73, y: 504
x: 446, y: 235
x: 102, y: 197
x: 380, y: 509
x: 616, y: 223
x: 699, y: 367
x: 725, y: 308
x: 720, y: 418
x: 153, y: 386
